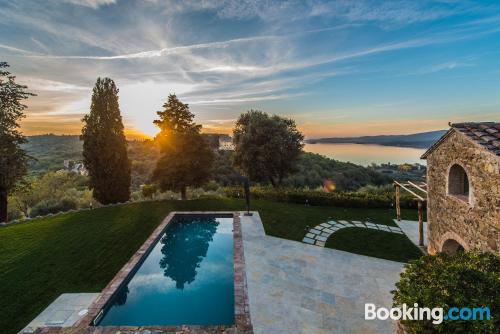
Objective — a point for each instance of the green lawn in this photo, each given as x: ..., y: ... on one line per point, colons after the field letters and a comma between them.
x: 381, y: 244
x: 81, y: 252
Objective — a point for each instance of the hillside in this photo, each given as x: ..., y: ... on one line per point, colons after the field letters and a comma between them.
x: 417, y: 140
x: 50, y: 151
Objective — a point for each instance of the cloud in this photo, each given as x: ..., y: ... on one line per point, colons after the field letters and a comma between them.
x: 446, y: 66
x: 237, y: 100
x: 14, y: 49
x: 401, y: 12
x: 57, y: 124
x: 221, y: 121
x: 385, y: 12
x: 62, y: 29
x: 91, y: 3
x: 166, y: 51
x: 52, y: 86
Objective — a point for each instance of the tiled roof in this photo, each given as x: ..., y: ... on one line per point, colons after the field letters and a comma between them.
x: 486, y: 134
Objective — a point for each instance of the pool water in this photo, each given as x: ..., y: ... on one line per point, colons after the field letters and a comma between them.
x: 186, y: 279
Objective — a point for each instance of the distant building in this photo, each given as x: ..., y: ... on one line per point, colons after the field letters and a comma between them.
x: 219, y: 141
x: 75, y: 167
x: 226, y: 144
x: 463, y: 183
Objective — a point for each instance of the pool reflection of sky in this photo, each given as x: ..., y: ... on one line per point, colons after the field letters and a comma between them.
x: 186, y: 279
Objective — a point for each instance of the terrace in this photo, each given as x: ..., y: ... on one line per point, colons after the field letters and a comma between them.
x: 322, y: 289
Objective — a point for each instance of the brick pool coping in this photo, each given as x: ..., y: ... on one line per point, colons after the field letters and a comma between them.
x: 242, y: 319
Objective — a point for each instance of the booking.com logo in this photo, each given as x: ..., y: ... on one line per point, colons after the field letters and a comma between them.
x: 436, y: 314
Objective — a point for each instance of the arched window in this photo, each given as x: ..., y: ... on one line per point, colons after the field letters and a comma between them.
x: 458, y: 183
x: 451, y: 247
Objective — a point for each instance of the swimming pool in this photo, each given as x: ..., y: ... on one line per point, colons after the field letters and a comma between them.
x: 185, y: 278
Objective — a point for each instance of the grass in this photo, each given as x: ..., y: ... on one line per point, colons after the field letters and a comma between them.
x: 81, y: 252
x: 381, y: 244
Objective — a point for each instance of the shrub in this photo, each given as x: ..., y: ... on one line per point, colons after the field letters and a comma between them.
x: 211, y: 186
x: 53, y: 206
x: 371, y: 189
x: 13, y: 213
x: 49, y: 190
x: 149, y: 190
x: 319, y: 197
x: 467, y: 279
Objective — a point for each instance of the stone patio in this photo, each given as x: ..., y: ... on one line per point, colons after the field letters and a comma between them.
x: 65, y: 311
x: 410, y: 228
x: 297, y: 288
x: 319, y: 234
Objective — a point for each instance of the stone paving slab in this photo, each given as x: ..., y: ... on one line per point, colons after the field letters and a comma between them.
x: 308, y: 241
x: 319, y: 234
x: 65, y: 311
x: 410, y: 228
x: 296, y: 288
x: 321, y: 238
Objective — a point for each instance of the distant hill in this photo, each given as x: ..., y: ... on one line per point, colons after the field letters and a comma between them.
x: 50, y: 151
x: 418, y: 140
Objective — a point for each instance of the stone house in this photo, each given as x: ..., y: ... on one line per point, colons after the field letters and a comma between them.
x: 463, y: 184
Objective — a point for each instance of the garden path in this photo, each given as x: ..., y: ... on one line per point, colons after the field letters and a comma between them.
x: 319, y: 234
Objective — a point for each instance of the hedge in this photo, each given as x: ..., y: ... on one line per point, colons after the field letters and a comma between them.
x: 466, y: 279
x: 317, y: 197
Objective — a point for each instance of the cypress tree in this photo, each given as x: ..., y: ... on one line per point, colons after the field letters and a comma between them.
x: 13, y: 158
x: 105, y: 147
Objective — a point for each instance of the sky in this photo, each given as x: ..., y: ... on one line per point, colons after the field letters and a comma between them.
x: 338, y: 68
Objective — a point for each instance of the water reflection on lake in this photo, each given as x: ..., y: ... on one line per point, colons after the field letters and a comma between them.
x: 364, y: 154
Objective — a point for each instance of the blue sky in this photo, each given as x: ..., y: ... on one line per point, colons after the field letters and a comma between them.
x: 339, y: 68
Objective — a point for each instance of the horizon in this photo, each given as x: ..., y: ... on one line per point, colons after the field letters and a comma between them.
x: 134, y: 136
x: 339, y: 69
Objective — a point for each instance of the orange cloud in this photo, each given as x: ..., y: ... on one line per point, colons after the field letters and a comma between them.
x: 65, y: 124
x: 68, y: 124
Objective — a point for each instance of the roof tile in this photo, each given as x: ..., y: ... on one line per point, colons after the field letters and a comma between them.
x: 491, y: 130
x: 487, y: 134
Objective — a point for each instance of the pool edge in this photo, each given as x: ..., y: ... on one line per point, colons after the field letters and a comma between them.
x: 242, y: 318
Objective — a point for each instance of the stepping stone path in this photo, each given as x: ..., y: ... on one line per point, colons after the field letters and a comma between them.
x: 319, y: 234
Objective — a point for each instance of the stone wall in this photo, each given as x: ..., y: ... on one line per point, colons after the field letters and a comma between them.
x: 473, y: 222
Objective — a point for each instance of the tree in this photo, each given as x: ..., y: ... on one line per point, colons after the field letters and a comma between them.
x: 266, y: 148
x: 13, y: 158
x: 149, y: 191
x: 186, y: 158
x: 105, y: 147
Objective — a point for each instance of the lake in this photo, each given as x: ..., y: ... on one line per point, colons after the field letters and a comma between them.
x: 364, y: 154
